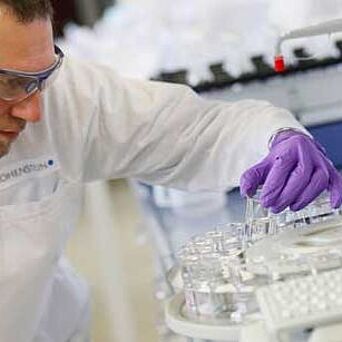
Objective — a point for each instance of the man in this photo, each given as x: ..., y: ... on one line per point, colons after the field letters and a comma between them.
x: 90, y: 124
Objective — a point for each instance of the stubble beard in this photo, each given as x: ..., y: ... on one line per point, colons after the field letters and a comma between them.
x: 5, y: 147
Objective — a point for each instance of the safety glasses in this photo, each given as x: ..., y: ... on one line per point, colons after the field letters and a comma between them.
x: 16, y: 86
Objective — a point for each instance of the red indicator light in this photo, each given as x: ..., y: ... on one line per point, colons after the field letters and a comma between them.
x: 279, y: 64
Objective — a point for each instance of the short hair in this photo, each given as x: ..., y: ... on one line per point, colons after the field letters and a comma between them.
x: 27, y: 11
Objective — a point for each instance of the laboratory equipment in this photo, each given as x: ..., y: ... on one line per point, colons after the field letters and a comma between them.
x: 213, y: 276
x: 316, y: 247
x: 262, y: 222
x: 301, y: 303
x: 220, y: 272
x: 327, y: 27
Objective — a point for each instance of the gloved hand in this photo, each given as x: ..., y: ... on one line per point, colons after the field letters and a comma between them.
x: 294, y: 173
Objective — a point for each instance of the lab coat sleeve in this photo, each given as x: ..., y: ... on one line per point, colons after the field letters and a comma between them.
x: 166, y: 134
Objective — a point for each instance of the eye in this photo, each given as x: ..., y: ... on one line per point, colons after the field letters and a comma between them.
x: 31, y: 87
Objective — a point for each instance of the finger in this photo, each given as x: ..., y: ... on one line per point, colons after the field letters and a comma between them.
x: 318, y: 183
x: 335, y: 188
x: 276, y: 180
x: 298, y: 160
x: 295, y: 185
x: 253, y: 178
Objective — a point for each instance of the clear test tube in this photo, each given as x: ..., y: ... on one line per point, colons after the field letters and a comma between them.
x: 232, y: 266
x: 201, y: 245
x: 249, y: 211
x: 261, y: 228
x: 216, y: 239
x: 321, y: 209
x: 280, y: 222
x: 218, y: 301
x: 299, y: 219
x: 238, y: 315
x: 254, y: 209
x: 234, y: 237
x: 186, y: 250
x: 189, y: 267
x: 242, y: 297
x: 203, y: 295
x: 214, y: 302
x: 318, y: 211
x: 285, y: 220
x: 260, y: 222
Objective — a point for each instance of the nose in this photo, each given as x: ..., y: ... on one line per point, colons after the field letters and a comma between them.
x: 29, y: 110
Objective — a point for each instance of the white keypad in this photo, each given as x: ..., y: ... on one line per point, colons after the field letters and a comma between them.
x: 304, y: 302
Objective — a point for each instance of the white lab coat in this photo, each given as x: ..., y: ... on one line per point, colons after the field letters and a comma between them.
x: 99, y: 126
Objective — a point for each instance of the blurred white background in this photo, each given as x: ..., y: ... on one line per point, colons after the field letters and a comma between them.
x: 142, y: 37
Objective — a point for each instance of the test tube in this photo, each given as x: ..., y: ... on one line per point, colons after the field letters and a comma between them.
x: 187, y: 273
x: 260, y: 221
x: 254, y: 209
x: 234, y: 238
x: 214, y: 301
x: 217, y: 240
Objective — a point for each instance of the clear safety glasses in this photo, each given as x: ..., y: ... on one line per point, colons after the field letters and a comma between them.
x: 16, y: 86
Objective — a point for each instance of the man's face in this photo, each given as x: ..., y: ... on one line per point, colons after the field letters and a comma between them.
x: 23, y: 47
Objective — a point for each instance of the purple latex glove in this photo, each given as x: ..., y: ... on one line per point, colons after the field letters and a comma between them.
x: 294, y: 173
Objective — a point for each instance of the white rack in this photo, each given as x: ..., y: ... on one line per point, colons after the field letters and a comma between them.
x: 219, y: 330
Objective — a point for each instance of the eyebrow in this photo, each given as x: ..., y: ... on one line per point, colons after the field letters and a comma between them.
x: 59, y: 54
